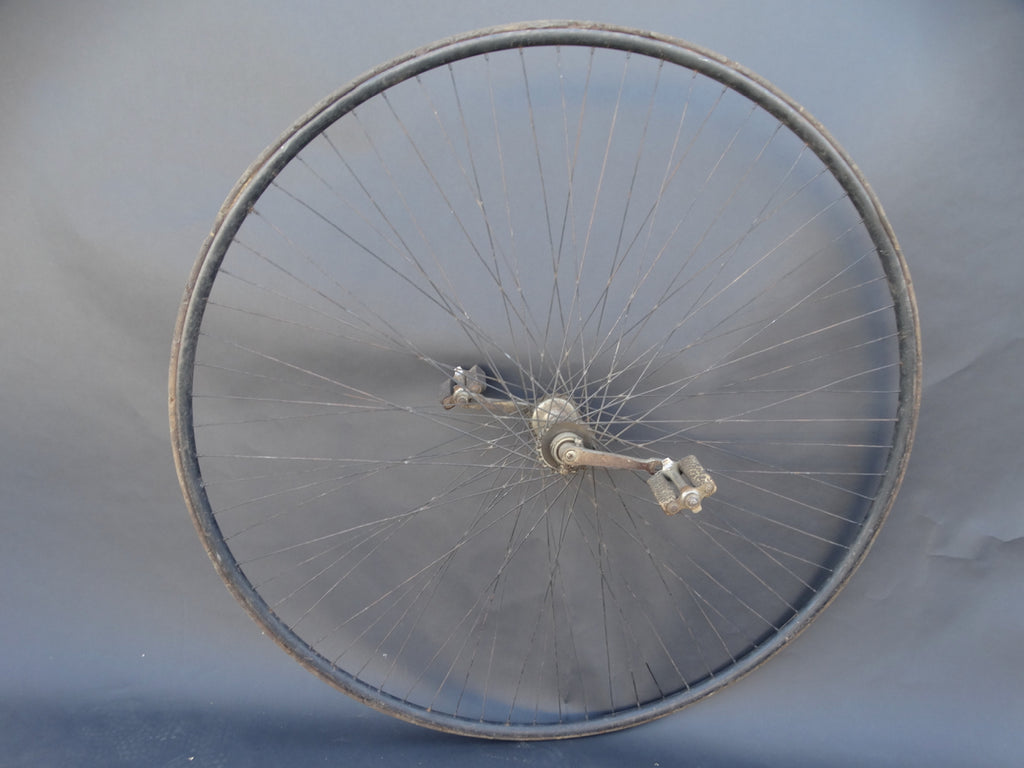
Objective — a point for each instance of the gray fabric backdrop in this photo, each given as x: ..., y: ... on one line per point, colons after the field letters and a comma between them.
x: 124, y: 125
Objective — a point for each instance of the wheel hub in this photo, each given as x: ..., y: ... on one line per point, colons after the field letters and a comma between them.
x: 557, y: 423
x: 567, y: 444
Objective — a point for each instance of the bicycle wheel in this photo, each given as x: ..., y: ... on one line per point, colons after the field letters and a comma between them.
x: 544, y: 380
